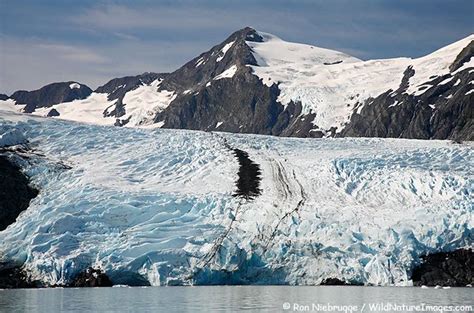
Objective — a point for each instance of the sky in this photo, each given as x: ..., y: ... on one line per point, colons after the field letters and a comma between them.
x: 44, y: 41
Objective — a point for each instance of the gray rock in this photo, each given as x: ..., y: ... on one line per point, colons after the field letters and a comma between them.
x: 13, y: 276
x: 463, y: 57
x: 15, y: 192
x: 49, y: 95
x: 91, y: 277
x: 454, y: 269
x: 53, y: 113
x: 441, y: 112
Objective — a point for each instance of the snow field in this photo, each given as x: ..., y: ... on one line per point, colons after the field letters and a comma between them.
x: 157, y: 206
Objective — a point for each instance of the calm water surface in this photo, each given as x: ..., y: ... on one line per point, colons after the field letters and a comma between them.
x: 235, y: 299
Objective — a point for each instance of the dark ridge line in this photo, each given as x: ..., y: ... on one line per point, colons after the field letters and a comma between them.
x: 248, y: 184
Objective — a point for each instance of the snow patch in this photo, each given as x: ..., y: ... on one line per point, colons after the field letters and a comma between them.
x: 224, y: 51
x: 447, y: 80
x: 74, y: 86
x: 11, y: 105
x: 228, y: 73
x: 142, y: 103
x: 394, y: 104
x: 118, y: 87
x: 89, y: 110
x: 159, y: 124
x: 200, y: 61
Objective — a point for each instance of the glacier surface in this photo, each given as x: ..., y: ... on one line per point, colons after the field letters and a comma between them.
x: 156, y: 206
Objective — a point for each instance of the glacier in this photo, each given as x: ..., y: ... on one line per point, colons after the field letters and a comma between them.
x: 334, y: 85
x: 158, y: 206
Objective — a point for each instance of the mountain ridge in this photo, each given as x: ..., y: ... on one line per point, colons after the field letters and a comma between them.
x: 254, y: 82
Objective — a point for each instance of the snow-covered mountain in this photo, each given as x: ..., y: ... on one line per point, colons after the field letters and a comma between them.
x: 54, y: 93
x: 159, y: 206
x: 255, y: 82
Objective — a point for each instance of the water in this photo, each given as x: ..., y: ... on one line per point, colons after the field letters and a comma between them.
x: 231, y: 299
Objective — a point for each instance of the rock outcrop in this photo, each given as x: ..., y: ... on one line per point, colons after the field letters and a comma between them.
x: 15, y: 192
x: 51, y: 94
x: 454, y: 269
x: 91, y: 278
x: 444, y: 111
x: 15, y: 277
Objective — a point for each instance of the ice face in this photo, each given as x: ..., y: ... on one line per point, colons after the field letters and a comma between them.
x: 158, y: 206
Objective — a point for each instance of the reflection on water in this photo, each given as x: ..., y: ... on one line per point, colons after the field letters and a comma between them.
x: 234, y: 298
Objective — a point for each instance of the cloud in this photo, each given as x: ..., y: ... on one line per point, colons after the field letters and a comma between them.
x: 71, y: 53
x: 125, y: 36
x: 32, y: 63
x: 119, y: 17
x: 100, y: 40
x: 377, y: 29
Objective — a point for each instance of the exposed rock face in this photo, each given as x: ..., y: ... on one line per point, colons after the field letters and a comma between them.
x: 454, y: 269
x: 52, y: 113
x: 91, y: 278
x: 3, y: 96
x: 240, y: 104
x: 463, y: 57
x: 51, y: 94
x: 118, y: 87
x: 15, y: 192
x: 333, y: 282
x: 443, y: 111
x: 14, y: 277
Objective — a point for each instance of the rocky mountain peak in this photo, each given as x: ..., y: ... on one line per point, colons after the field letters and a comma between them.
x: 245, y: 34
x: 256, y: 82
x: 51, y: 94
x: 232, y: 52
